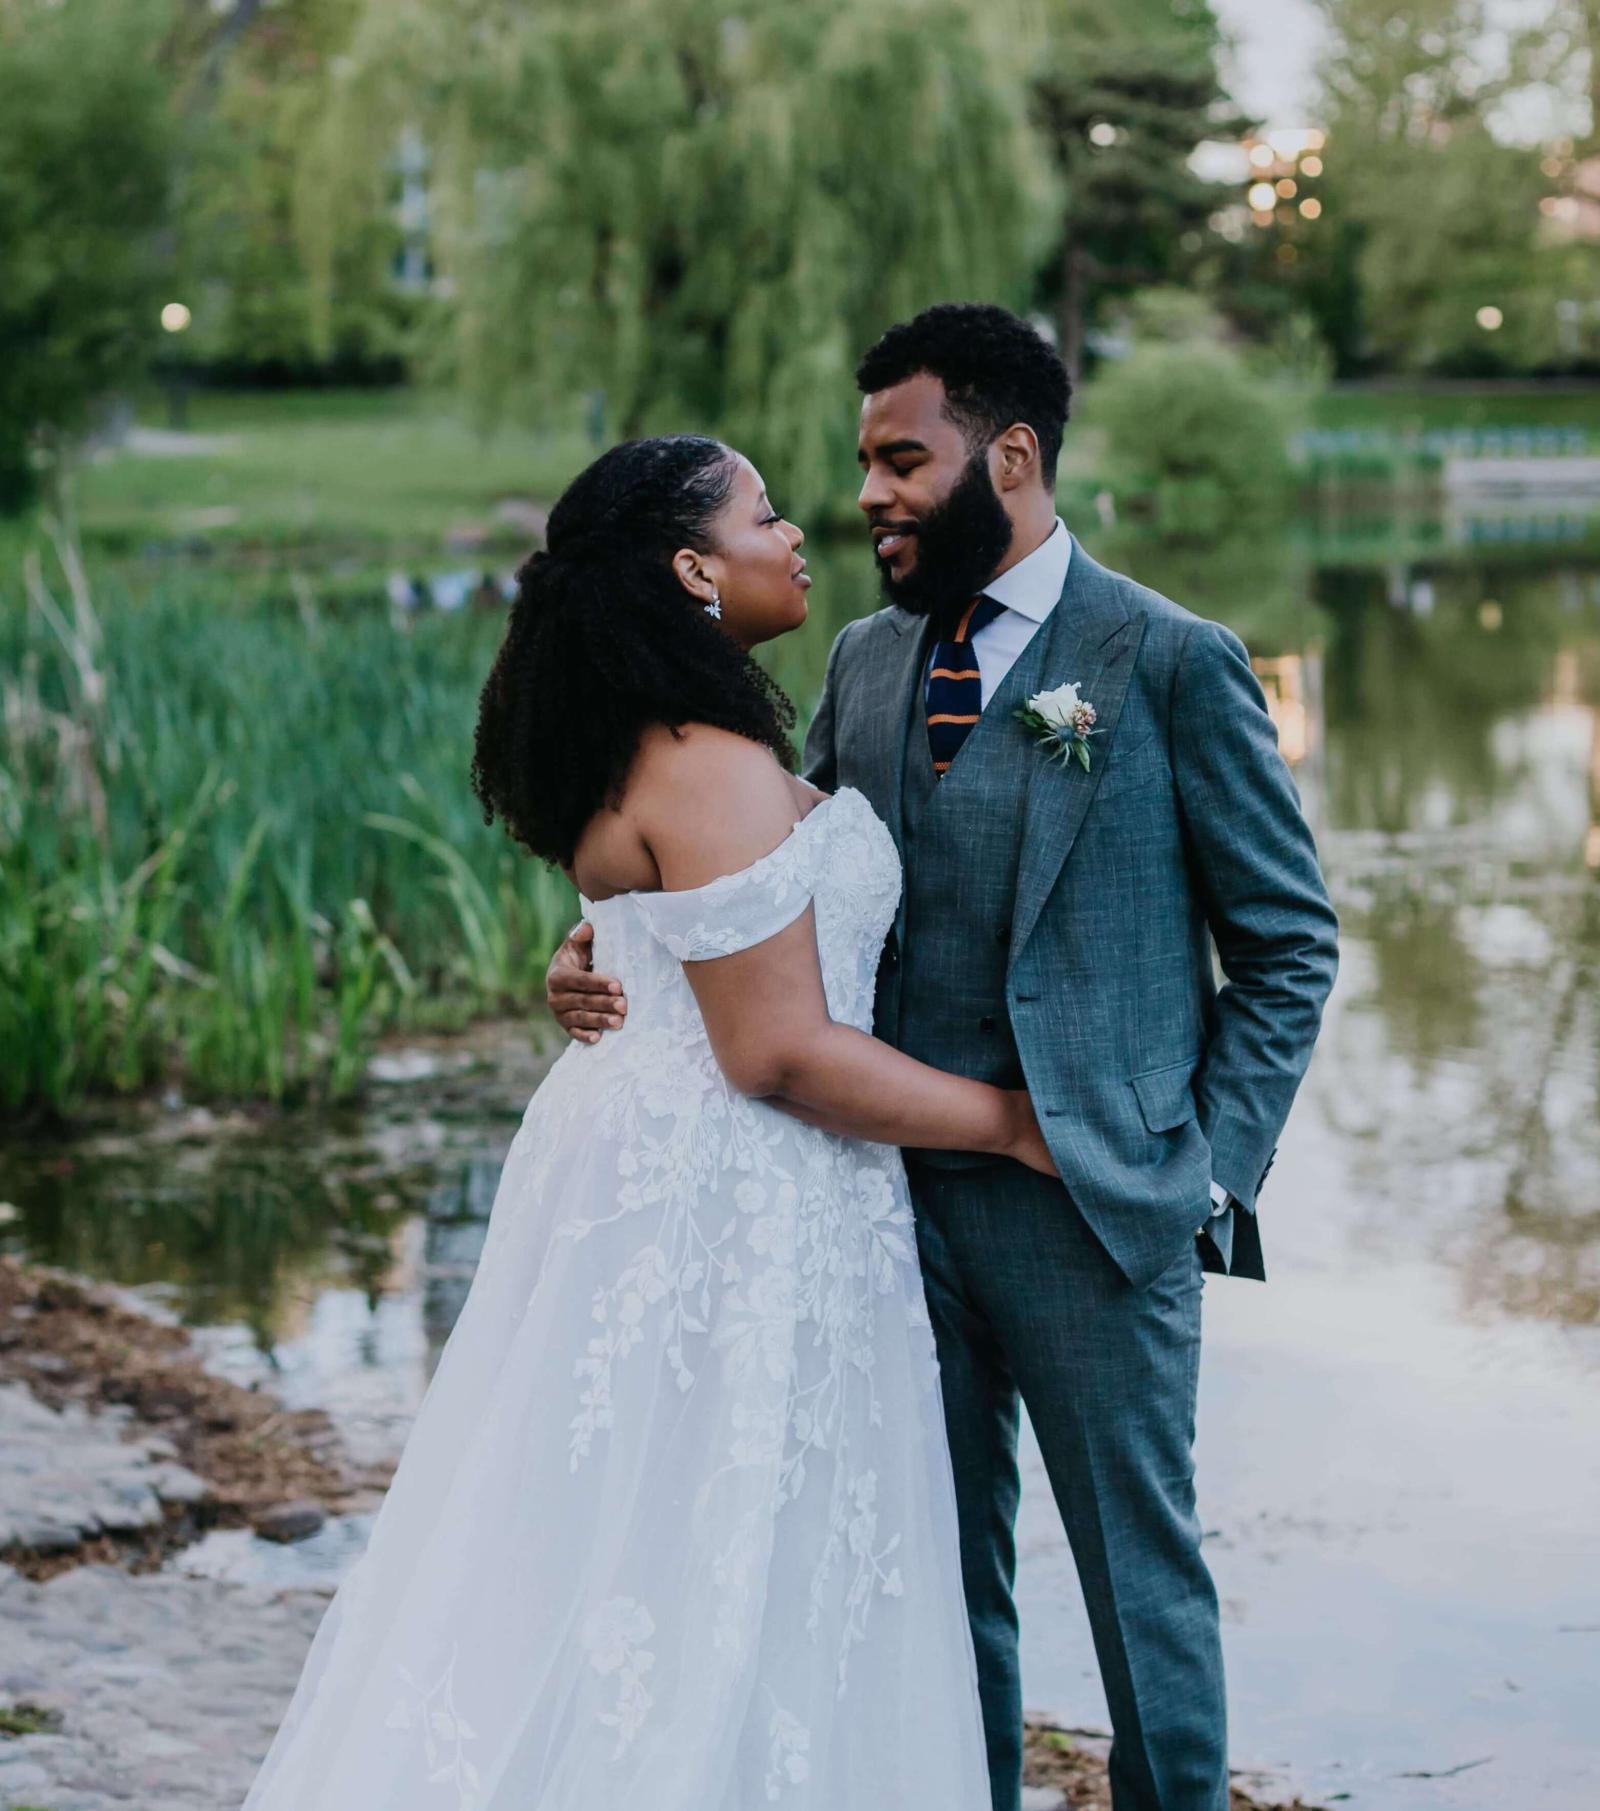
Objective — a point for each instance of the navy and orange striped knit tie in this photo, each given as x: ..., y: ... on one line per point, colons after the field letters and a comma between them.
x: 953, y: 694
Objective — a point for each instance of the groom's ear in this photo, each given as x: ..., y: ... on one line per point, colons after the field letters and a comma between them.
x: 1017, y: 457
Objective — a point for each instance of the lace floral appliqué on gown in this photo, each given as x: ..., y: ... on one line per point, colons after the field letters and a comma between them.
x: 675, y: 1528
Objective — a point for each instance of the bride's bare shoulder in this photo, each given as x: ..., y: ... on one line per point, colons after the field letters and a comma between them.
x: 708, y: 801
x: 708, y: 763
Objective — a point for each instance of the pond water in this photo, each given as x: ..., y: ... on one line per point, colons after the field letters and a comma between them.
x: 1400, y: 1432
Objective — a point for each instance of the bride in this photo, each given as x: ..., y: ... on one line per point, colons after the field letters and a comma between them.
x: 675, y: 1528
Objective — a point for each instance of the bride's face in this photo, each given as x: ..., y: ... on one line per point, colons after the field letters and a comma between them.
x: 754, y: 565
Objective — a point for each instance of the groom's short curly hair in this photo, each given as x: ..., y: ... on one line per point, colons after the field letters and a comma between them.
x: 995, y: 368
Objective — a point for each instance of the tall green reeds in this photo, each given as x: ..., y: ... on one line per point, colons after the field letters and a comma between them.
x: 237, y: 839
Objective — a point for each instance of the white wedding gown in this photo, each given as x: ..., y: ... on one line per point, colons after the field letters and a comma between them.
x: 675, y: 1528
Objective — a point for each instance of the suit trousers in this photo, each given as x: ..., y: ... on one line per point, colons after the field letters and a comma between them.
x: 1026, y: 1305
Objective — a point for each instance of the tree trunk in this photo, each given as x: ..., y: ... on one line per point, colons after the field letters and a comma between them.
x: 232, y: 29
x: 1074, y: 300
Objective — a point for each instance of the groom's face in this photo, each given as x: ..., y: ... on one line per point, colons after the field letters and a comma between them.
x: 939, y: 528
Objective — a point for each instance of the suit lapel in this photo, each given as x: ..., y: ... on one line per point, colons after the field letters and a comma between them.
x: 884, y: 736
x: 1094, y: 643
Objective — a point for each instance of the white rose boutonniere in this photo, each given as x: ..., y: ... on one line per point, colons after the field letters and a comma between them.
x: 1062, y: 721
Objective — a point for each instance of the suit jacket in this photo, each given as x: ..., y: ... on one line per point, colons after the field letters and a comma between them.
x: 1148, y: 1079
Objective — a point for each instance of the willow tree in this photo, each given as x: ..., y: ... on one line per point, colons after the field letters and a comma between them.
x: 289, y: 257
x: 85, y: 141
x: 706, y: 209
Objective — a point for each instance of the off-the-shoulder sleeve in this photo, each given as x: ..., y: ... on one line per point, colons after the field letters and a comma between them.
x: 737, y: 910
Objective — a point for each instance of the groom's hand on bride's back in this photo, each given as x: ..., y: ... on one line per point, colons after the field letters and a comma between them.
x: 584, y: 1003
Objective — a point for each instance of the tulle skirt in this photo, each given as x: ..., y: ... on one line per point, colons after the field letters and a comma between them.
x: 675, y: 1528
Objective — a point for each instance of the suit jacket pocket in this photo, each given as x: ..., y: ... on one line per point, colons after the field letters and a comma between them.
x: 1166, y: 1095
x: 1127, y: 769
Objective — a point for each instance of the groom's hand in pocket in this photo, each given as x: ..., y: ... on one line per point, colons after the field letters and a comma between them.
x: 584, y: 1003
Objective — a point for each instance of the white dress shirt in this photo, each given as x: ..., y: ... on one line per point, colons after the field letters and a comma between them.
x: 1030, y: 590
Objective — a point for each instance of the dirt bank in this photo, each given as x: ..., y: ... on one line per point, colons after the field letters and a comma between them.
x: 70, y: 1341
x: 1074, y: 1763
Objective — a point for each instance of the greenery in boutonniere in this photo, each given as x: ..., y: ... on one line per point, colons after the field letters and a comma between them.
x: 1063, y: 723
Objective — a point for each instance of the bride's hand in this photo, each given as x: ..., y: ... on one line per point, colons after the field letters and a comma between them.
x: 1027, y: 1143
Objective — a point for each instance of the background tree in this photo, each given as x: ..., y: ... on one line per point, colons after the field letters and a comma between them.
x: 1437, y: 214
x: 1568, y: 269
x: 290, y: 254
x: 1195, y: 439
x: 86, y: 130
x: 1125, y: 90
x: 707, y: 216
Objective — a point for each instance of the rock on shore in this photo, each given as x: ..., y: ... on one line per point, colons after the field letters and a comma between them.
x: 129, y: 1448
x: 165, y: 1689
x: 71, y: 1474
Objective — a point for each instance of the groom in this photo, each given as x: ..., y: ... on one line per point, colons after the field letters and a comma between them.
x: 1055, y: 932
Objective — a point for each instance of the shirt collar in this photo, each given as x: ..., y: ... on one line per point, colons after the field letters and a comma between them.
x: 1033, y: 585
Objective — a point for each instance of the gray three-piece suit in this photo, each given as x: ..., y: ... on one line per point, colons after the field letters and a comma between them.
x: 1055, y: 932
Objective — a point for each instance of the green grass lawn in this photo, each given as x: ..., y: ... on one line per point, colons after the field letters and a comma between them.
x: 1507, y: 406
x: 1398, y: 415
x: 365, y: 473
x: 332, y: 469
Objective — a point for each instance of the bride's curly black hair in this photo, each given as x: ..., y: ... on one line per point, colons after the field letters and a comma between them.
x: 603, y: 640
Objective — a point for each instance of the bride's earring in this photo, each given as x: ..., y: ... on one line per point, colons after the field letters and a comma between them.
x: 714, y: 608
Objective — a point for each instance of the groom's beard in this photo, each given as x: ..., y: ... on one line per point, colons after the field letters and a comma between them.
x: 959, y: 544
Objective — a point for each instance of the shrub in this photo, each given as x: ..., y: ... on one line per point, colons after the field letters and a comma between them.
x: 1195, y: 437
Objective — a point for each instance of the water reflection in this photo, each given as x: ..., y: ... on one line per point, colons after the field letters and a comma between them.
x: 1293, y: 687
x: 217, y: 1220
x: 1459, y: 838
x: 458, y: 1212
x: 296, y: 1233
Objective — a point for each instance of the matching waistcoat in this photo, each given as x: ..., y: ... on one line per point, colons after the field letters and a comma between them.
x: 942, y: 987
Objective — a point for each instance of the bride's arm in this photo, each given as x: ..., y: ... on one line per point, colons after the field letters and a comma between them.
x: 767, y: 1017
x: 764, y: 1007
